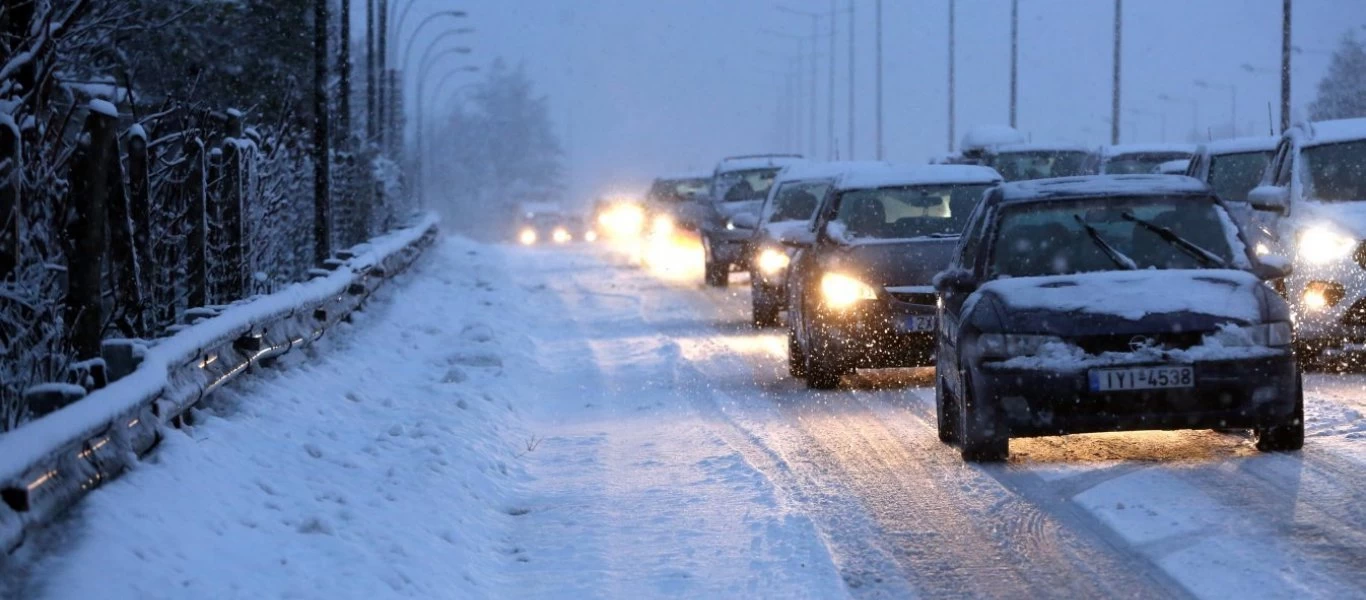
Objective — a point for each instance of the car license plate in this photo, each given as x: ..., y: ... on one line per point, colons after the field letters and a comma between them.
x: 917, y: 323
x: 1141, y: 378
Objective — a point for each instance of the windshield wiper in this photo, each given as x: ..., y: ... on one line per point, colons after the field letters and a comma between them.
x: 943, y: 235
x: 1209, y: 259
x: 1120, y: 260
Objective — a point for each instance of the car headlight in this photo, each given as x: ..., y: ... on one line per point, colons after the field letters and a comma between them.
x: 1274, y: 335
x: 772, y: 261
x: 561, y: 235
x: 662, y: 225
x: 843, y: 291
x: 527, y: 237
x: 591, y: 236
x: 1319, y: 245
x: 730, y: 225
x: 1009, y: 345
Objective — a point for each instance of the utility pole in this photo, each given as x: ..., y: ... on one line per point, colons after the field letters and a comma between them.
x: 1014, y: 58
x: 322, y: 151
x: 952, y: 48
x: 1285, y: 65
x: 833, y: 150
x: 878, y: 86
x: 815, y: 37
x: 344, y: 64
x: 370, y: 99
x: 850, y: 135
x: 1114, y: 102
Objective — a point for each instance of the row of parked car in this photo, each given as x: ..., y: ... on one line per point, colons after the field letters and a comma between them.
x: 1058, y: 290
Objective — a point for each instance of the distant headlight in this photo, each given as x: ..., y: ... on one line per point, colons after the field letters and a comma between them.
x: 561, y: 235
x: 730, y: 225
x: 1319, y: 245
x: 527, y: 237
x: 1005, y: 345
x: 843, y: 291
x: 772, y: 261
x: 662, y: 225
x: 591, y: 236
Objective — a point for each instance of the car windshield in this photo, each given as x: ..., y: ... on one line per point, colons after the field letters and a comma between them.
x: 1040, y: 164
x: 796, y: 201
x: 1053, y: 239
x: 677, y: 190
x: 1234, y: 175
x: 750, y: 184
x: 1336, y: 172
x: 1140, y: 162
x: 907, y: 211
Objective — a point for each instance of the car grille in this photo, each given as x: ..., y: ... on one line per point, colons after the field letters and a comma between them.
x: 1099, y: 344
x: 1356, y: 315
x: 921, y: 298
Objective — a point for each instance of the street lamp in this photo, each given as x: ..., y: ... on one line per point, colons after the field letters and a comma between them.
x: 418, y: 146
x: 801, y: 54
x: 1233, y: 89
x: 830, y: 106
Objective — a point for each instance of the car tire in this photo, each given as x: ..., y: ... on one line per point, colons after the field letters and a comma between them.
x: 717, y: 274
x: 1287, y: 435
x: 763, y: 311
x: 944, y: 413
x: 796, y: 359
x: 824, y: 369
x: 982, y: 435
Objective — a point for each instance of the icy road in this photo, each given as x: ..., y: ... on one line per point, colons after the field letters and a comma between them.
x: 532, y: 423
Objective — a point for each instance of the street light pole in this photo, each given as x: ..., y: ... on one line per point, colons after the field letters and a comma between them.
x: 852, y: 25
x: 952, y: 50
x: 878, y: 86
x: 421, y: 158
x: 1114, y: 101
x: 322, y: 147
x: 382, y: 73
x: 833, y: 149
x: 1285, y: 65
x: 815, y: 34
x: 1014, y: 58
x: 370, y: 116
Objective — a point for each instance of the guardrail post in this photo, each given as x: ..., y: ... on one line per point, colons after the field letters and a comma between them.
x: 197, y: 225
x: 230, y: 211
x: 11, y: 211
x: 85, y: 238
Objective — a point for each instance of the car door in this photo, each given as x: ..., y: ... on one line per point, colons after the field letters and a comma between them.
x: 965, y: 257
x: 805, y: 266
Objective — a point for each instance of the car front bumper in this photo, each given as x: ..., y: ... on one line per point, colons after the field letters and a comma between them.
x: 879, y: 335
x: 1238, y: 393
x: 1339, y: 323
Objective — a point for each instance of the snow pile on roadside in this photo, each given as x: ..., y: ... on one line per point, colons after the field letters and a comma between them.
x: 386, y: 467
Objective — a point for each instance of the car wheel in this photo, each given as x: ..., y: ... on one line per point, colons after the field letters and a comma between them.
x: 1289, y: 434
x: 981, y: 432
x: 764, y: 312
x: 944, y: 413
x: 796, y: 359
x: 717, y: 274
x: 823, y: 366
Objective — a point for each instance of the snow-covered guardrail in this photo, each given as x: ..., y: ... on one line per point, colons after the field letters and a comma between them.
x: 50, y: 462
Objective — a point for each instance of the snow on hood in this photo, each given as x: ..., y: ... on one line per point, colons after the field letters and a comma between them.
x: 1132, y: 295
x: 1228, y: 343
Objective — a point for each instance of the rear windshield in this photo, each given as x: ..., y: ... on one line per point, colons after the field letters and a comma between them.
x: 1140, y: 162
x: 908, y: 211
x: 1040, y: 164
x: 677, y: 190
x: 739, y: 186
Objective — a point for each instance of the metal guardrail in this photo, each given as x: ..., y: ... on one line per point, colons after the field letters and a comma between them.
x: 85, y: 452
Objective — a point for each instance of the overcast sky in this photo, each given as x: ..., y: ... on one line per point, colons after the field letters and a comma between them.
x: 643, y: 87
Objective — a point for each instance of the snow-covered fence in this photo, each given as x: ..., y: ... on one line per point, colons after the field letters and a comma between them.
x: 48, y: 463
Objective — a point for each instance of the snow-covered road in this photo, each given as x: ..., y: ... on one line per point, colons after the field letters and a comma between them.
x: 528, y: 423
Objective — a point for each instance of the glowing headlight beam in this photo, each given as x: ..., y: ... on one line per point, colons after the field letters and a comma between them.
x: 1319, y: 245
x: 772, y: 261
x: 842, y: 291
x: 561, y: 236
x: 527, y: 237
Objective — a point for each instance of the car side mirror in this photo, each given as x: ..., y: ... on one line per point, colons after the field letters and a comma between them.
x: 1270, y: 198
x: 1270, y: 267
x: 745, y: 221
x: 955, y: 281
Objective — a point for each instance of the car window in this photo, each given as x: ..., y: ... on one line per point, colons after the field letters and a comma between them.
x: 796, y: 201
x: 1140, y: 162
x: 971, y: 243
x: 741, y: 186
x: 1048, y: 239
x: 907, y: 211
x: 1234, y: 175
x: 677, y: 190
x: 1335, y: 172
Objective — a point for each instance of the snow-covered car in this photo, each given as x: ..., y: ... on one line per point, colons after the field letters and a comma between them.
x: 547, y: 227
x: 1312, y: 202
x: 983, y: 140
x: 861, y: 295
x: 668, y: 202
x: 785, y: 226
x: 1134, y: 159
x: 1111, y: 303
x: 1019, y: 162
x: 1234, y: 166
x: 726, y: 217
x: 1173, y: 167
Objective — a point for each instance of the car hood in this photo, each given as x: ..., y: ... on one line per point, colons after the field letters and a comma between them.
x: 895, y: 263
x: 1348, y: 217
x: 1123, y: 302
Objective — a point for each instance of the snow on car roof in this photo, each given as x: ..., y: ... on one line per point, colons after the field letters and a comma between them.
x: 829, y: 170
x: 1044, y: 147
x: 684, y: 176
x: 745, y: 163
x: 1241, y: 145
x: 1102, y: 185
x: 1175, y: 167
x: 1116, y: 150
x: 899, y: 175
x: 990, y: 136
x: 1339, y: 130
